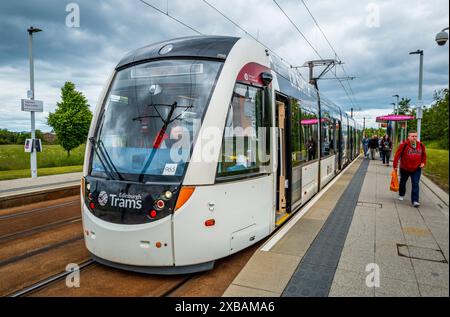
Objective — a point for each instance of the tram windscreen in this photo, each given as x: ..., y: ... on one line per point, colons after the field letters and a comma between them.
x: 151, y: 118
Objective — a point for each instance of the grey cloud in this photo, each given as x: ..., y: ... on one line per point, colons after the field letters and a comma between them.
x: 377, y: 56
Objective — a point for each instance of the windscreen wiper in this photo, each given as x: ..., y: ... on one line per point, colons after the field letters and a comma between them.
x: 94, y: 145
x: 166, y: 123
x: 109, y: 160
x: 104, y: 156
x: 159, y: 116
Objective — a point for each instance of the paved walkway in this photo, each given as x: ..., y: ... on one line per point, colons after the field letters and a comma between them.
x: 29, y: 185
x: 388, y: 248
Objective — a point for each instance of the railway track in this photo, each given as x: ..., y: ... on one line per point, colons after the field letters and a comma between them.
x: 33, y: 262
x: 39, y: 251
x: 37, y: 240
x: 56, y: 284
x: 25, y: 233
x: 26, y: 221
x: 97, y: 280
x: 49, y: 281
x: 37, y: 210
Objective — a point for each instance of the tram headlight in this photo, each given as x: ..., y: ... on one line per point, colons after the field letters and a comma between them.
x: 168, y: 195
x: 85, y: 187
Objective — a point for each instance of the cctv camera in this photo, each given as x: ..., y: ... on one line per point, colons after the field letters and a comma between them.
x: 442, y: 38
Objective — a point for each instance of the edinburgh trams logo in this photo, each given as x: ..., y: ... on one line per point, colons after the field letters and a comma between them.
x: 103, y: 199
x: 121, y: 200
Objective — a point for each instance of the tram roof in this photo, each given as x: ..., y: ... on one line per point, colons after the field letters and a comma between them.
x: 217, y: 47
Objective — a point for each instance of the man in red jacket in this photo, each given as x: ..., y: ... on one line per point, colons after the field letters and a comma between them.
x: 413, y: 157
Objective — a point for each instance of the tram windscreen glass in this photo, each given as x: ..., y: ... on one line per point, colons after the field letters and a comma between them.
x: 151, y: 118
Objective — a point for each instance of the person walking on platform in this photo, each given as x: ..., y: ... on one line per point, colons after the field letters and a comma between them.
x: 365, y: 143
x: 380, y: 148
x: 373, y: 145
x: 386, y: 149
x: 413, y: 158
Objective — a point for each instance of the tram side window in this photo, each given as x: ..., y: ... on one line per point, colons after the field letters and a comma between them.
x: 328, y: 137
x: 298, y: 154
x: 309, y: 136
x: 244, y: 142
x: 350, y: 141
x: 346, y: 138
x: 337, y: 138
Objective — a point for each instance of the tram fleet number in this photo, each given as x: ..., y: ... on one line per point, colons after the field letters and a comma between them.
x: 226, y: 307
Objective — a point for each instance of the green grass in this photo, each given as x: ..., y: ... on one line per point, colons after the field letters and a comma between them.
x: 7, y: 175
x: 13, y: 157
x: 432, y: 145
x: 437, y: 167
x: 15, y: 163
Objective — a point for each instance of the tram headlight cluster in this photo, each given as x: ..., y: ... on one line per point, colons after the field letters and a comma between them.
x: 86, y: 192
x: 168, y: 195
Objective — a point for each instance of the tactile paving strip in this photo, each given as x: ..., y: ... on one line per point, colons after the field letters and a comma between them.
x: 315, y: 273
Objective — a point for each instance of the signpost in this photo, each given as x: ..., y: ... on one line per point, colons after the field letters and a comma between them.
x: 32, y: 145
x: 32, y: 105
x: 28, y: 145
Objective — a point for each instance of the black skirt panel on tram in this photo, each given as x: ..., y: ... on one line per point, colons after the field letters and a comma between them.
x: 129, y: 203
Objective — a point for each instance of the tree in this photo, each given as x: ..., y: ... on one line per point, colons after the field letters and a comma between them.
x: 10, y: 137
x: 405, y: 109
x: 435, y: 125
x: 404, y: 106
x: 72, y: 118
x: 380, y: 132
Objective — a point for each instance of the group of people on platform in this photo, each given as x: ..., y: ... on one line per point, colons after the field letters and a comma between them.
x: 375, y: 144
x: 411, y: 157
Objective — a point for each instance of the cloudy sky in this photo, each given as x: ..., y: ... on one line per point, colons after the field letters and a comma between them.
x: 373, y: 39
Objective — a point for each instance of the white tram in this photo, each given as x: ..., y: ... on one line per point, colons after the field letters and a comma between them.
x: 201, y: 147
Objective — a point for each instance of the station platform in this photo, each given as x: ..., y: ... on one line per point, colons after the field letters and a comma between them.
x: 356, y: 239
x: 19, y: 192
x: 29, y: 185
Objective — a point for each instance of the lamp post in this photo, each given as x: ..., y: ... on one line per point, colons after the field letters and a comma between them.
x: 33, y: 156
x: 420, y: 101
x: 396, y: 110
x: 398, y: 103
x: 393, y: 122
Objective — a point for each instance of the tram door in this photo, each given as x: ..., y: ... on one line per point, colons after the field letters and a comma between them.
x: 284, y: 171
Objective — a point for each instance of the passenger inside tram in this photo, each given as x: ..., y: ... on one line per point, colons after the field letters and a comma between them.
x: 239, y: 152
x: 311, y: 146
